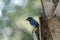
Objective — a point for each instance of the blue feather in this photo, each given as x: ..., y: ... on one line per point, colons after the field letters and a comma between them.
x: 33, y: 22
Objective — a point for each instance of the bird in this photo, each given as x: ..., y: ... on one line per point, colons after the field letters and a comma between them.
x: 33, y: 22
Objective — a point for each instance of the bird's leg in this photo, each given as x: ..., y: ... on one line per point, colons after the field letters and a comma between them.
x: 34, y: 29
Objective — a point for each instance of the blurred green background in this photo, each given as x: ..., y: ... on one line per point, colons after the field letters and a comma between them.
x: 13, y: 13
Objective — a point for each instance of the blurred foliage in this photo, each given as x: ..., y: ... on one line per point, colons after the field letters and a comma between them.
x: 11, y: 13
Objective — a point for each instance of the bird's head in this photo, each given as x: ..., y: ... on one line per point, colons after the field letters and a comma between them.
x: 29, y: 18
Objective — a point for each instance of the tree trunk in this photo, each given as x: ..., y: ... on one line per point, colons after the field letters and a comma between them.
x: 50, y: 23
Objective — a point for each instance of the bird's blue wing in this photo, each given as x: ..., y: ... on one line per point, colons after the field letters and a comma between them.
x: 34, y: 23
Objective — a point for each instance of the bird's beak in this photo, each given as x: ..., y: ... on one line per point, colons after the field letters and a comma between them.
x: 26, y: 19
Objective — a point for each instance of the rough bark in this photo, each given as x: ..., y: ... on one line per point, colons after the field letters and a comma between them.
x: 51, y: 15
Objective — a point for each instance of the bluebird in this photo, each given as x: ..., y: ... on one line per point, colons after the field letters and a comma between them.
x: 33, y: 22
